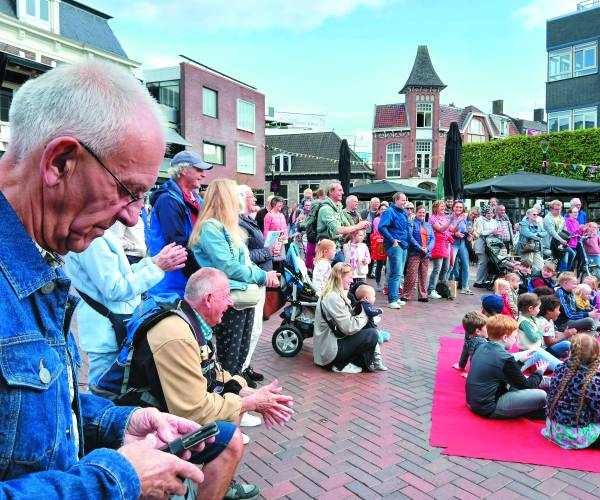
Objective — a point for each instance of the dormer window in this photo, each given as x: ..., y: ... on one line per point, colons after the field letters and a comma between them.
x: 41, y: 13
x: 282, y: 163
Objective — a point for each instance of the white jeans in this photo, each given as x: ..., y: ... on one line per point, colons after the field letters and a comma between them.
x: 256, y: 327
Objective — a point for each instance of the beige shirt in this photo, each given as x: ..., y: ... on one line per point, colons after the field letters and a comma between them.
x: 177, y: 356
x: 133, y: 238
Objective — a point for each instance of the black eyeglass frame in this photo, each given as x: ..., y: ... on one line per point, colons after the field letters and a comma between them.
x: 134, y: 198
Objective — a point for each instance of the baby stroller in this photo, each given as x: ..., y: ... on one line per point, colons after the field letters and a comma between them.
x: 583, y: 266
x: 299, y: 315
x: 500, y: 261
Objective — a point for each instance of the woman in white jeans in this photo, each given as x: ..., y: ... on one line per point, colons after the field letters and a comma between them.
x: 485, y: 226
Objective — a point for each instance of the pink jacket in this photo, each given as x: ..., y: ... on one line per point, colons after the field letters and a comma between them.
x: 275, y: 222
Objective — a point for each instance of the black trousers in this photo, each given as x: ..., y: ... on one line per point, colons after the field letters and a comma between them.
x: 233, y: 338
x: 357, y: 349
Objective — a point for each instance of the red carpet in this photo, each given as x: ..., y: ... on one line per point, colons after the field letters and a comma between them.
x: 464, y: 434
x: 458, y: 329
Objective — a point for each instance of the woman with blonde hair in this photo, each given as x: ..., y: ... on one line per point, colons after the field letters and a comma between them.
x: 218, y: 242
x: 341, y: 341
x: 440, y: 254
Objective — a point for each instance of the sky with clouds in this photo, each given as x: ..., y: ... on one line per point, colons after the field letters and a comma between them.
x: 341, y: 57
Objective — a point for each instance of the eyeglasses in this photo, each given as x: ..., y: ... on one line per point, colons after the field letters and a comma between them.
x: 134, y: 198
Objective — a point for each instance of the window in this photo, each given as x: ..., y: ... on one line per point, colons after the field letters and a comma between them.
x: 424, y: 112
x: 245, y: 115
x: 559, y: 64
x: 246, y: 161
x: 5, y: 100
x: 210, y: 105
x: 475, y: 131
x: 584, y: 59
x: 282, y: 163
x: 423, y: 158
x: 166, y: 93
x: 38, y: 9
x: 584, y: 118
x: 503, y: 127
x: 302, y: 187
x: 559, y: 121
x: 213, y: 153
x: 393, y: 162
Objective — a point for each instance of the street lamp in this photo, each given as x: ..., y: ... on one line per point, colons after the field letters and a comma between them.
x: 544, y: 145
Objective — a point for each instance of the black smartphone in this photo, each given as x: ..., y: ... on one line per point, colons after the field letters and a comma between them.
x: 191, y: 439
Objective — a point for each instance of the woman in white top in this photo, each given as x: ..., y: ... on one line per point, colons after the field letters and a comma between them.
x: 485, y: 226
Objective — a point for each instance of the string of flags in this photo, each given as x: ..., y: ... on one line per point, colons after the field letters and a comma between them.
x: 571, y: 166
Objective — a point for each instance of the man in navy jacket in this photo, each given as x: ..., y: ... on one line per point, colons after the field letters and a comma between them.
x: 393, y: 226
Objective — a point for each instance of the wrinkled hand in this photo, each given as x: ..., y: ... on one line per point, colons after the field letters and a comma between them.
x: 171, y: 257
x: 272, y: 279
x: 276, y: 249
x: 275, y: 407
x: 159, y: 473
x: 542, y: 365
x: 363, y: 224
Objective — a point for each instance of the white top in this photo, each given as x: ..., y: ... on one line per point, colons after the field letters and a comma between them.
x: 132, y: 238
x: 321, y: 274
x: 551, y: 329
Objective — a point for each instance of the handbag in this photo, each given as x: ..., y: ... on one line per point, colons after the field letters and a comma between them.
x: 529, y: 246
x: 331, y: 324
x: 117, y: 321
x: 274, y: 301
x: 245, y: 299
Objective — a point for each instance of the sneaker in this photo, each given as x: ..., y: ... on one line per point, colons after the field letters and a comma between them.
x: 238, y: 491
x: 378, y: 366
x: 378, y: 287
x: 466, y: 291
x: 395, y: 305
x: 257, y: 377
x: 249, y: 420
x: 402, y: 302
x: 245, y: 438
x: 434, y: 295
x: 349, y: 368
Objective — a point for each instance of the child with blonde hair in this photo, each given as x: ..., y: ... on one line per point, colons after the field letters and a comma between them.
x: 573, y: 411
x: 365, y: 295
x: 356, y: 253
x: 571, y: 316
x: 513, y: 293
x: 582, y: 295
x: 502, y: 289
x: 324, y: 255
x: 592, y: 281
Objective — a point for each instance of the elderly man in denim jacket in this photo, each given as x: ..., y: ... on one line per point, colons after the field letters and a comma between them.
x: 86, y: 143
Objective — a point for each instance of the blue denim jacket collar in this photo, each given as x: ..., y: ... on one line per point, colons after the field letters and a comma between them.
x: 30, y: 272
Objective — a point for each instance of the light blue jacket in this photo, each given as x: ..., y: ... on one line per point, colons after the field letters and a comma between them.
x: 103, y: 272
x: 215, y: 249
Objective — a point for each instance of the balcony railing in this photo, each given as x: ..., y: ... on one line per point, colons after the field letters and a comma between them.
x: 587, y: 4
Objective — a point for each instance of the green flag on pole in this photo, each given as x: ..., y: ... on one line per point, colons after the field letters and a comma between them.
x: 440, y: 182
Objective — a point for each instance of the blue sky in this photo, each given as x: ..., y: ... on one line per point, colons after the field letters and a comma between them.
x: 341, y: 57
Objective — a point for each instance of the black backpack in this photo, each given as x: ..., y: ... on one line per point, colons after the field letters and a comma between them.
x: 311, y: 223
x: 443, y: 290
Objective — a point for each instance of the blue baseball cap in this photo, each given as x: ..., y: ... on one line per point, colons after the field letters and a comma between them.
x: 492, y: 303
x: 194, y: 159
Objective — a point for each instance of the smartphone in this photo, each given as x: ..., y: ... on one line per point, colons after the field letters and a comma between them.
x: 179, y: 445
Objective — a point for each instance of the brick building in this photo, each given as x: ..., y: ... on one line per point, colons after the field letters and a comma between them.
x: 215, y: 115
x: 409, y: 138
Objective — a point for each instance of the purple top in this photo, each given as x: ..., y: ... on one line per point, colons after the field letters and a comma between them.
x: 572, y: 226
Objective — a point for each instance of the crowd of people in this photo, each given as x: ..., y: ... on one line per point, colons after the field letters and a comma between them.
x: 169, y: 297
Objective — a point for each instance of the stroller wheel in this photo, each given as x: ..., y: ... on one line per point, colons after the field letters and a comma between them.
x: 287, y: 341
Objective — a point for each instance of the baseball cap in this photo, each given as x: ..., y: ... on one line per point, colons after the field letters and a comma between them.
x: 492, y: 303
x: 194, y: 159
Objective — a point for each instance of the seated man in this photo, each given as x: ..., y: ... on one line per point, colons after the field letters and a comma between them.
x: 173, y: 368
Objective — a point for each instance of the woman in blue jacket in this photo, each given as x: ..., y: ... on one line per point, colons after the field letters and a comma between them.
x: 218, y: 241
x: 421, y: 240
x: 459, y: 247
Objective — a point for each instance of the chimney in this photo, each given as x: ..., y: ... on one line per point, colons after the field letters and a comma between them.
x: 538, y: 115
x: 498, y: 106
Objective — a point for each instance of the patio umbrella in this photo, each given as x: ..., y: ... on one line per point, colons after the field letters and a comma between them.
x: 344, y: 168
x: 453, y: 179
x: 439, y: 193
x: 386, y: 189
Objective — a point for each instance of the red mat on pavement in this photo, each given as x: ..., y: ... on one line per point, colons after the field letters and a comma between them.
x: 458, y: 329
x: 462, y: 433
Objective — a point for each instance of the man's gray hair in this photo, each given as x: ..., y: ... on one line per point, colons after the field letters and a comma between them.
x: 242, y: 191
x: 95, y: 102
x: 397, y: 195
x: 351, y: 197
x: 331, y: 186
x: 201, y: 283
x: 176, y: 171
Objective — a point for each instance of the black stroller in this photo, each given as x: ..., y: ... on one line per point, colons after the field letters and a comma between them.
x: 500, y: 262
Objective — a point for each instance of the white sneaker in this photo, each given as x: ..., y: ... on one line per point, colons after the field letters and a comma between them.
x: 395, y: 305
x: 245, y: 438
x: 349, y: 368
x: 434, y: 295
x: 249, y: 420
x: 402, y: 302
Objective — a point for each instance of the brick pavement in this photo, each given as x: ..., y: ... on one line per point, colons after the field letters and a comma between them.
x: 367, y: 435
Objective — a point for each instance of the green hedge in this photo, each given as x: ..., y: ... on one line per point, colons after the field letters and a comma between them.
x: 484, y: 160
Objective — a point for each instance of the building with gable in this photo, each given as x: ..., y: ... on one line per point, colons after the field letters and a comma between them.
x: 36, y: 35
x: 409, y: 138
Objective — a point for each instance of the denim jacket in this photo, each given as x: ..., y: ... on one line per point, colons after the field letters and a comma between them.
x: 38, y: 455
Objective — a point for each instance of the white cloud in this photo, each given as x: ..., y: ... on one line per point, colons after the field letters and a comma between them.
x: 537, y: 12
x: 241, y: 14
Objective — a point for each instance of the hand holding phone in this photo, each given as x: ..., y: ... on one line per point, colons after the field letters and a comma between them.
x: 191, y: 439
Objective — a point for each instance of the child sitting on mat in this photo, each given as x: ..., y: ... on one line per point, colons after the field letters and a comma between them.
x: 573, y: 413
x: 556, y: 343
x: 546, y: 277
x: 530, y: 333
x: 475, y: 335
x: 493, y: 370
x: 491, y: 305
x: 523, y: 271
x: 582, y: 295
x: 592, y: 282
x: 502, y: 289
x: 570, y: 315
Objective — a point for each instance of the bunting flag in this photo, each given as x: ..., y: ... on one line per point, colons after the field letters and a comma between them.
x: 575, y: 167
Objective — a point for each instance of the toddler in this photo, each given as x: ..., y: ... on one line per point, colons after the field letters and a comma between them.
x: 546, y: 278
x: 475, y: 335
x: 530, y: 333
x: 365, y: 295
x: 592, y: 282
x: 356, y: 253
x: 582, y: 294
x: 491, y: 305
x: 523, y: 271
x: 324, y: 255
x: 513, y: 294
x: 556, y: 344
x: 570, y: 315
x: 495, y: 386
x: 573, y: 412
x: 502, y: 289
x: 591, y: 243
